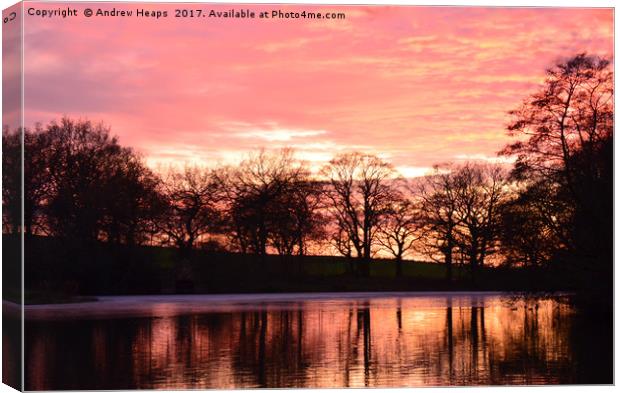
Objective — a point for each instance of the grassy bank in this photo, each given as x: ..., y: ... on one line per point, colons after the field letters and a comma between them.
x: 58, y: 272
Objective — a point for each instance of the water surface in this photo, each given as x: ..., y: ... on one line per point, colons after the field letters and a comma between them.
x: 318, y: 340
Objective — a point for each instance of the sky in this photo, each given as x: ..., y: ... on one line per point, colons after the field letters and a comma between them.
x: 414, y: 85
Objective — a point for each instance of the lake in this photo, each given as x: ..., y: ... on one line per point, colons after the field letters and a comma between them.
x: 313, y: 340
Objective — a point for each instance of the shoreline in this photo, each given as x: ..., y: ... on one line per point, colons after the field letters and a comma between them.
x: 173, y: 305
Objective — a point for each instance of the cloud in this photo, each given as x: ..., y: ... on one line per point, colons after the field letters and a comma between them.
x: 412, y: 171
x: 278, y: 135
x: 417, y: 85
x: 485, y: 158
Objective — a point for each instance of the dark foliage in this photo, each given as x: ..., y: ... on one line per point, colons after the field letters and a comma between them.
x: 98, y: 202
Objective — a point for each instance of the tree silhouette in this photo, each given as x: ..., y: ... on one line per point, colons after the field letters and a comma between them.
x: 360, y: 194
x: 300, y: 220
x: 572, y: 112
x: 272, y: 202
x: 11, y: 181
x: 400, y: 229
x: 525, y: 235
x: 439, y: 203
x: 36, y: 176
x: 191, y: 206
x: 554, y: 210
x: 480, y: 192
x: 460, y: 206
x: 96, y: 189
x: 79, y: 183
x: 565, y: 146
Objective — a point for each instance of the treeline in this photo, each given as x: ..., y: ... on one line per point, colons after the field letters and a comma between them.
x: 81, y: 185
x: 554, y: 206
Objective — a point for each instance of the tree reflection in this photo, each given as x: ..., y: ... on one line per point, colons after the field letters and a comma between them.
x: 353, y: 344
x: 449, y: 335
x: 363, y: 324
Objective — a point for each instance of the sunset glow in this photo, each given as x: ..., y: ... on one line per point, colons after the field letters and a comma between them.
x: 414, y: 85
x: 409, y: 342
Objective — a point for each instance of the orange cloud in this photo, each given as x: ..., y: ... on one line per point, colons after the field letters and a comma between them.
x: 418, y: 85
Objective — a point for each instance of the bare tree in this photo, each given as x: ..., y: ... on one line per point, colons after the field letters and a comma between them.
x: 192, y: 196
x: 11, y: 181
x: 359, y: 194
x: 341, y: 240
x: 74, y: 167
x: 132, y: 214
x: 565, y: 150
x: 480, y: 191
x: 299, y: 219
x: 400, y: 229
x: 438, y: 194
x: 461, y: 212
x: 70, y: 170
x: 272, y: 202
x: 527, y: 238
x: 572, y: 113
x: 568, y: 123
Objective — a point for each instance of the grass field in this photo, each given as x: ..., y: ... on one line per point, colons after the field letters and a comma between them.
x: 57, y: 272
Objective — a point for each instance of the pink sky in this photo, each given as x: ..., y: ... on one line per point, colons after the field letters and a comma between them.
x: 416, y: 85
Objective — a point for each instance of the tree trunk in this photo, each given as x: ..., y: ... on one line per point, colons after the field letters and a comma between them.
x: 364, y: 266
x: 473, y: 259
x: 448, y: 255
x: 399, y: 266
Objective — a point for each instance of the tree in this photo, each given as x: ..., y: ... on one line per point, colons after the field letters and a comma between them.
x: 460, y: 207
x: 567, y: 125
x: 526, y: 236
x: 400, y: 230
x: 132, y: 214
x: 11, y: 181
x: 573, y: 112
x: 94, y: 189
x: 565, y: 143
x: 481, y: 190
x: 272, y: 203
x: 439, y: 203
x: 341, y: 239
x: 300, y: 220
x: 191, y: 206
x: 360, y: 194
x: 36, y: 178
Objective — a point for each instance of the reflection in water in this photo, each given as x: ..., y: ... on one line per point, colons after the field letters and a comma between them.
x: 11, y: 346
x: 391, y: 341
